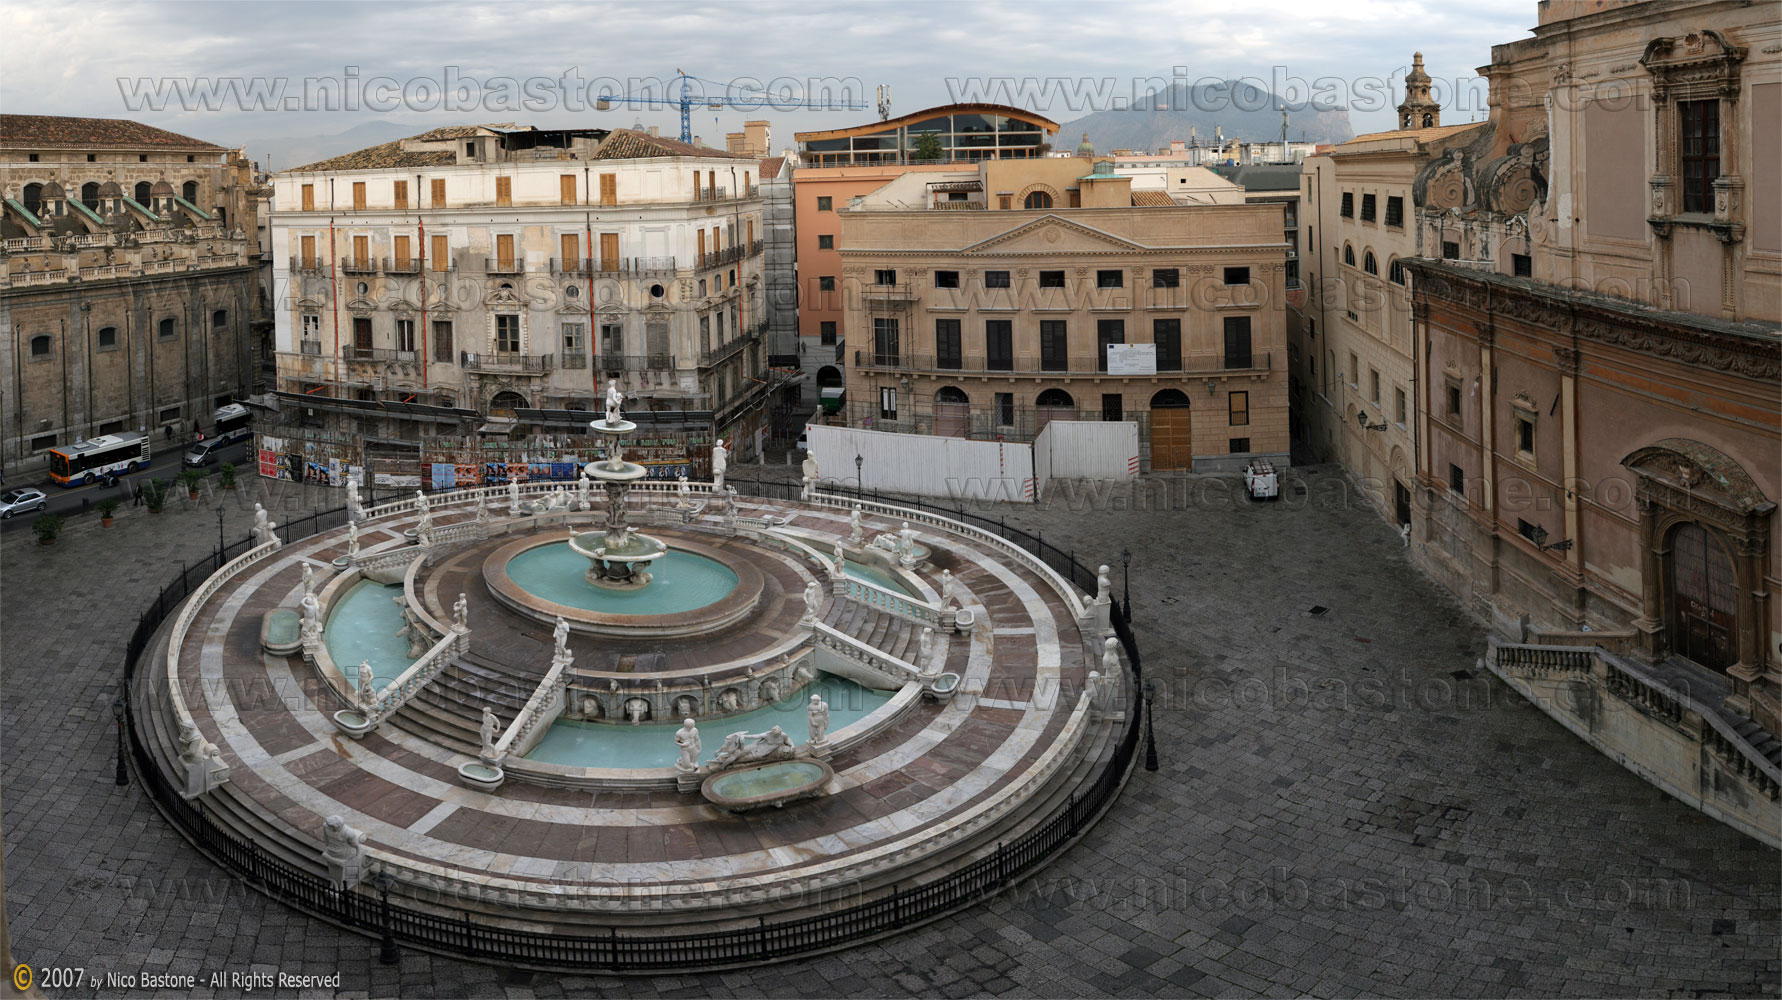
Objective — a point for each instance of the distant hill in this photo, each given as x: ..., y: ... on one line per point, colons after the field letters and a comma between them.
x: 1162, y: 116
x: 286, y: 151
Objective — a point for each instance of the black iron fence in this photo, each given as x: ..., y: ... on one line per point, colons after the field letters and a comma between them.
x: 468, y: 936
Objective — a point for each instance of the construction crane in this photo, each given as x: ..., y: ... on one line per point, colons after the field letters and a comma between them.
x: 741, y: 102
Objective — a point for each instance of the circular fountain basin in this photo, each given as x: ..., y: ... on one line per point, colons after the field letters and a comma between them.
x: 775, y: 784
x: 695, y: 588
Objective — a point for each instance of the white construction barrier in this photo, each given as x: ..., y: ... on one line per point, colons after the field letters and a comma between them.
x: 1087, y: 449
x: 923, y: 465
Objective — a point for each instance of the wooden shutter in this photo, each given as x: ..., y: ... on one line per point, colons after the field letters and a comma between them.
x: 441, y: 255
x: 309, y: 197
x: 400, y: 194
x: 700, y: 261
x: 566, y: 189
x: 504, y: 190
x: 361, y: 250
x: 358, y: 196
x: 695, y: 185
x: 504, y: 250
x: 609, y: 251
x: 439, y: 192
x: 402, y: 252
x: 751, y: 239
x: 711, y: 183
x: 572, y: 252
x: 309, y: 252
x: 609, y: 189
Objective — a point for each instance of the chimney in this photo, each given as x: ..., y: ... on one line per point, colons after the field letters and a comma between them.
x: 656, y: 130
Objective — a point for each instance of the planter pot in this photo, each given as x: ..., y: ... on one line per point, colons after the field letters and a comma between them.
x: 106, y: 521
x: 192, y: 495
x: 46, y: 541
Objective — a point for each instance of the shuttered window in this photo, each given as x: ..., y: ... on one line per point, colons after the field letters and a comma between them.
x: 504, y: 190
x: 399, y: 195
x: 566, y: 189
x: 309, y: 197
x: 439, y: 192
x: 358, y: 196
x: 609, y: 189
x: 609, y: 251
x: 442, y: 259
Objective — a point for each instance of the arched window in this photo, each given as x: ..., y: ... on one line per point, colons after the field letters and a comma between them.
x: 108, y: 336
x: 1369, y: 264
x: 1054, y: 397
x: 189, y: 191
x: 1428, y: 120
x: 1396, y: 271
x: 951, y: 394
x: 89, y: 195
x: 1037, y: 199
x: 40, y: 346
x: 144, y: 191
x: 33, y: 197
x: 1348, y: 255
x: 219, y: 319
x: 168, y: 330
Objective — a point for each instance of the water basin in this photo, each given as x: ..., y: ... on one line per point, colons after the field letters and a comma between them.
x: 877, y: 577
x: 362, y: 627
x: 575, y: 743
x: 773, y: 778
x: 682, y: 582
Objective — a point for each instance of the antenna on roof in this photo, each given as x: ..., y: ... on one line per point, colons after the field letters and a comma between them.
x: 884, y: 94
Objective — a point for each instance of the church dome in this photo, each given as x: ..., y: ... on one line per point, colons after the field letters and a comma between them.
x: 1085, y: 148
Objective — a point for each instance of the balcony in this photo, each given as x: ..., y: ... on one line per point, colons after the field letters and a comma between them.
x: 886, y: 294
x: 635, y: 362
x: 499, y: 266
x: 358, y: 265
x: 574, y: 360
x: 402, y: 265
x: 1054, y: 365
x: 351, y: 353
x: 505, y: 362
x: 313, y: 268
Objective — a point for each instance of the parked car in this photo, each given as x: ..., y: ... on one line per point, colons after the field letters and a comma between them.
x: 204, y: 452
x: 1260, y: 480
x: 20, y: 501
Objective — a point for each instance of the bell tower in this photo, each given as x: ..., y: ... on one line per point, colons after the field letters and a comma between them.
x: 1419, y: 109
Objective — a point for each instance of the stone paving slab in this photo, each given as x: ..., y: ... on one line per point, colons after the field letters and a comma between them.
x: 1333, y: 818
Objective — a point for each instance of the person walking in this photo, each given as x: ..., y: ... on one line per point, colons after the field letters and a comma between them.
x: 136, y: 497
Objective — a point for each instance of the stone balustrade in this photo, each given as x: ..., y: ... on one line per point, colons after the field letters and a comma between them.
x: 419, y: 674
x: 537, y: 714
x: 879, y: 665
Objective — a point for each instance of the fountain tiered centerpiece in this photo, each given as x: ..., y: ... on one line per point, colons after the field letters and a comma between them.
x: 618, y: 557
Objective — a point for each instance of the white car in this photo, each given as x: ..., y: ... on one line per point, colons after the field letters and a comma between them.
x: 1260, y: 480
x: 20, y: 501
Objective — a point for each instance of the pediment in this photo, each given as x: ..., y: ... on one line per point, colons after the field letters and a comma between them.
x: 1053, y: 234
x: 1698, y: 468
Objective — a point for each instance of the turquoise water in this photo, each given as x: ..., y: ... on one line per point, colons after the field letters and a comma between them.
x: 362, y: 627
x: 681, y: 581
x: 877, y: 576
x: 602, y: 744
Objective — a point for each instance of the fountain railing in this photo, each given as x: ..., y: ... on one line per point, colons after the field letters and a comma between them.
x: 542, y: 708
x: 1065, y: 589
x: 497, y: 496
x: 869, y: 656
x: 898, y: 605
x: 419, y: 674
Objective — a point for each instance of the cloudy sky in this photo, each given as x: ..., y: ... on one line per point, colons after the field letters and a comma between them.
x: 210, y: 69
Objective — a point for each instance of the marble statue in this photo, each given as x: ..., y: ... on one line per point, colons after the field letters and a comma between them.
x: 1110, y: 657
x: 461, y: 612
x: 1100, y: 688
x: 810, y: 474
x: 818, y: 720
x: 840, y: 565
x: 193, y: 747
x: 720, y: 461
x: 513, y: 496
x: 925, y: 651
x: 309, y: 580
x: 1104, y: 587
x: 728, y: 751
x: 312, y: 619
x: 367, y: 693
x: 746, y: 748
x: 856, y: 530
x: 424, y: 532
x: 946, y: 590
x: 488, y: 731
x: 352, y: 540
x: 615, y: 400
x: 354, y: 511
x: 260, y: 523
x: 682, y: 489
x: 906, y: 546
x: 813, y: 596
x: 422, y: 507
x: 343, y: 851
x: 581, y: 491
x: 560, y: 638
x: 482, y: 507
x: 687, y: 739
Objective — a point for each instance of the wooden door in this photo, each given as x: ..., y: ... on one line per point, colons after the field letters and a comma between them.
x: 951, y: 418
x: 402, y: 252
x: 1172, y: 442
x: 308, y: 254
x: 442, y: 258
x: 571, y: 250
x: 362, y: 335
x: 504, y: 251
x: 1704, y: 619
x: 362, y: 251
x: 609, y: 251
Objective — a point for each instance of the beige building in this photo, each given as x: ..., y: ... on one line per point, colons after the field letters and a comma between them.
x: 128, y: 278
x: 1353, y: 354
x: 494, y: 279
x: 986, y: 302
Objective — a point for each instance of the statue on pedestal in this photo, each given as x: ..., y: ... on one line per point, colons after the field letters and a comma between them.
x: 813, y: 597
x: 946, y: 590
x: 682, y: 489
x: 354, y: 511
x: 1104, y: 587
x: 367, y: 692
x: 461, y: 612
x: 513, y: 495
x: 581, y: 492
x: 856, y: 530
x: 311, y: 630
x: 925, y: 653
x: 840, y: 565
x: 615, y: 400
x: 687, y: 739
x: 818, y: 721
x: 1110, y: 657
x: 560, y: 638
x: 488, y: 731
x: 309, y: 580
x: 810, y: 474
x: 720, y: 461
x: 352, y: 539
x: 906, y: 546
x: 343, y: 851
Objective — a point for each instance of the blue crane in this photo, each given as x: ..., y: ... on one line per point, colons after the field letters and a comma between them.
x: 744, y: 101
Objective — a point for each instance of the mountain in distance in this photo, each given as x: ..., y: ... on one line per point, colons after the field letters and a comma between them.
x: 282, y: 151
x: 1159, y: 117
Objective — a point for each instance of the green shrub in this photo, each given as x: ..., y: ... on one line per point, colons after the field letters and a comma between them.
x: 47, y: 526
x: 226, y: 475
x: 107, y: 507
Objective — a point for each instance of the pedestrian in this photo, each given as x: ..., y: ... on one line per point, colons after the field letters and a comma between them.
x: 136, y: 497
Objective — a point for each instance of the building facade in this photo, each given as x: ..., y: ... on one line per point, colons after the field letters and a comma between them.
x: 127, y: 281
x: 499, y: 275
x: 988, y: 315
x: 1603, y: 344
x: 1354, y: 357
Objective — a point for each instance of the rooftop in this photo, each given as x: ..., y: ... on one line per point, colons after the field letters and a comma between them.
x: 627, y: 144
x: 1416, y: 134
x: 42, y: 131
x: 892, y: 124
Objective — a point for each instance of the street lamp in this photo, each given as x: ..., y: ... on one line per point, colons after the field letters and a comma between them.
x: 383, y: 882
x: 117, y: 712
x: 1125, y: 585
x: 221, y: 548
x: 859, y: 461
x: 1150, y: 729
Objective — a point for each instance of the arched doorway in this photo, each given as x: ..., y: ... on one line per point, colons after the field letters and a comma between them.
x: 829, y: 377
x: 505, y: 403
x: 952, y: 412
x: 1053, y: 404
x: 1704, y: 612
x: 1172, y: 438
x: 143, y: 193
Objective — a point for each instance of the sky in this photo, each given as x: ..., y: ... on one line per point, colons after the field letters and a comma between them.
x: 237, y: 73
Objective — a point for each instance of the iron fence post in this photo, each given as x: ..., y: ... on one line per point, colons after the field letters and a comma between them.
x: 1150, y: 729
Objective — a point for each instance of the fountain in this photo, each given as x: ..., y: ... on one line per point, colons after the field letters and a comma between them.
x: 621, y: 558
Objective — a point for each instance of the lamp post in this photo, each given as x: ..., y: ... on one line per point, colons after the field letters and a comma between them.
x: 1126, y: 584
x: 1150, y: 729
x: 117, y: 712
x: 859, y: 462
x: 221, y: 548
x: 383, y: 882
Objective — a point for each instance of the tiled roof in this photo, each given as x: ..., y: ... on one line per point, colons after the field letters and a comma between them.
x: 445, y: 132
x: 390, y: 154
x: 626, y: 144
x: 54, y: 130
x: 770, y: 167
x: 1419, y: 134
x: 1159, y: 199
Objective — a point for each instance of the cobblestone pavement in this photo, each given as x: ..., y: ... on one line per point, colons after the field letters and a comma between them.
x: 1347, y: 805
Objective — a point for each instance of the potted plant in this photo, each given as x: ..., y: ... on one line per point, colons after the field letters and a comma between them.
x: 46, y: 527
x: 193, y: 478
x: 106, y: 509
x: 154, y: 496
x: 226, y: 475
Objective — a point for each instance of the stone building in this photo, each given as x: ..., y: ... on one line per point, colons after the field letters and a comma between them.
x: 1600, y: 451
x: 987, y: 300
x: 493, y: 279
x: 127, y: 279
